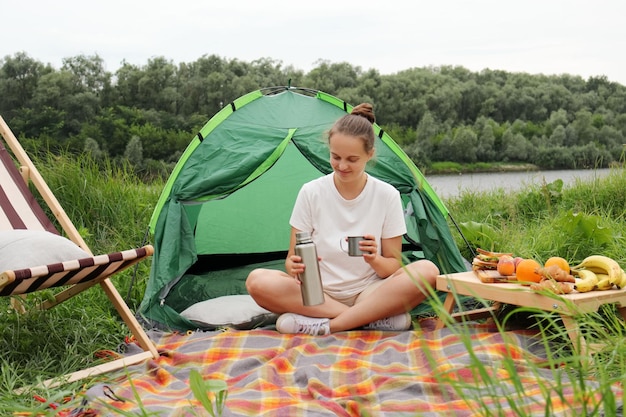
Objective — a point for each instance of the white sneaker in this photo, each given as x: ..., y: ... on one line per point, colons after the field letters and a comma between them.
x: 393, y: 323
x: 295, y: 323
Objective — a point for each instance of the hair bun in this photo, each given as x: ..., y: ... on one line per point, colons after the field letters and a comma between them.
x: 366, y: 110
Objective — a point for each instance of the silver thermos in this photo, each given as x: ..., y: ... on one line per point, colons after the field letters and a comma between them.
x: 312, y: 290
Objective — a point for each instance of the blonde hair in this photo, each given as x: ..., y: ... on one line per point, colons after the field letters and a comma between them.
x: 359, y: 124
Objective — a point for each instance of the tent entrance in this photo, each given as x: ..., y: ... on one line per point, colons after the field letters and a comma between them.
x: 245, y: 230
x: 244, y: 223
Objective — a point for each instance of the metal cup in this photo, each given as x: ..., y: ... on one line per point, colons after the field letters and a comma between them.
x: 353, y: 245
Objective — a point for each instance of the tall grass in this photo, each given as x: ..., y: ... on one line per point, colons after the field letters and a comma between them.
x: 107, y: 203
x: 547, y: 219
x: 112, y: 207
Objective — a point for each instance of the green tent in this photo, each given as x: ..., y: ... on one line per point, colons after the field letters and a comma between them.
x: 226, y: 206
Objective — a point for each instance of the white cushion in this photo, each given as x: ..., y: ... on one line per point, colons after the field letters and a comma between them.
x: 237, y: 311
x: 20, y: 249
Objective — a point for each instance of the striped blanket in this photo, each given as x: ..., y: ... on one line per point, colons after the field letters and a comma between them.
x: 355, y: 373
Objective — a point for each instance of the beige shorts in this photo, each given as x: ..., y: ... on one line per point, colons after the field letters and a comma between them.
x: 350, y: 301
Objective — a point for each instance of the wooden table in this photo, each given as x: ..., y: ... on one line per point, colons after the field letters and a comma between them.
x: 568, y: 305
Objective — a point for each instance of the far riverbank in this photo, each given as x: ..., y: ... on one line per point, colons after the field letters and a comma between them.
x: 451, y: 168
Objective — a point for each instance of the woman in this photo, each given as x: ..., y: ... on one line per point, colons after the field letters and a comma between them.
x: 375, y: 290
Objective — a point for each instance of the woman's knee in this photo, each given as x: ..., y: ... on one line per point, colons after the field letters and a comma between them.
x: 424, y: 270
x: 255, y: 279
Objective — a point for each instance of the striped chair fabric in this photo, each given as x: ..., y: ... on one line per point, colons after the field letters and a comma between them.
x: 18, y: 207
x: 77, y: 271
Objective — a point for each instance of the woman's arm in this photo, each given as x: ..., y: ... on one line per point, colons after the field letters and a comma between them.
x: 289, y: 263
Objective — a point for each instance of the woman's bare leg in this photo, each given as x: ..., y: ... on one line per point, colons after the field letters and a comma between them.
x: 398, y: 294
x: 280, y: 293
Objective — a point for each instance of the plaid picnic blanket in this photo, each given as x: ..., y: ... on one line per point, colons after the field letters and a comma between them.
x: 355, y: 373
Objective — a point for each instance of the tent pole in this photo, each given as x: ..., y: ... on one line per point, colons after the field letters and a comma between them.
x: 472, y: 251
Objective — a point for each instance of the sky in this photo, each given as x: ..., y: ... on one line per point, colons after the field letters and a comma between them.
x: 585, y: 38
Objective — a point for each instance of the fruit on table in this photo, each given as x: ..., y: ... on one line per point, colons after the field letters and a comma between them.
x: 506, y: 265
x: 558, y: 261
x: 608, y: 273
x: 587, y: 280
x: 622, y: 282
x: 555, y: 277
x: 527, y: 271
x: 604, y: 282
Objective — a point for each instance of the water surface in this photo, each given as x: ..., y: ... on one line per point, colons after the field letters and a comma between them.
x: 453, y: 185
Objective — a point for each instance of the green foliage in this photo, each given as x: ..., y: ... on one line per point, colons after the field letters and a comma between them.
x: 91, y: 193
x: 584, y: 234
x: 436, y: 113
x: 418, y: 155
x: 603, y: 197
x: 134, y: 152
x: 557, y: 157
x: 459, y: 168
x: 108, y: 203
x: 400, y: 134
x: 480, y: 235
x: 135, y: 400
x: 540, y: 199
x: 464, y: 146
x: 206, y: 392
x: 93, y: 149
x: 448, y: 167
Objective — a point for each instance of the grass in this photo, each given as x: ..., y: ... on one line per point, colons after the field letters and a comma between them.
x: 112, y: 208
x: 456, y: 167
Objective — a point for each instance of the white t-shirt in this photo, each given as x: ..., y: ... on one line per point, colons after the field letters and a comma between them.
x: 320, y: 209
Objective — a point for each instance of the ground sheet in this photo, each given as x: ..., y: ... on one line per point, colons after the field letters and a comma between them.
x: 356, y: 373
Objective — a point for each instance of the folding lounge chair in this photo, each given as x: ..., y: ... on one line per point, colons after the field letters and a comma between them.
x: 20, y: 210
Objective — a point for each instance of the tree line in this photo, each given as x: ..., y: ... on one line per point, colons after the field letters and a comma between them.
x: 147, y: 114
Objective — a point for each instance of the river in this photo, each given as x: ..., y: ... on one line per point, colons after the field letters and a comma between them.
x: 448, y: 186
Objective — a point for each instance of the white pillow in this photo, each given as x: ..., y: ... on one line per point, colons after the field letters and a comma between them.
x: 20, y: 249
x: 236, y: 311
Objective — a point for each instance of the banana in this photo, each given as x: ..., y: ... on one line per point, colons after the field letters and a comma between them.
x: 622, y: 282
x: 586, y: 274
x: 604, y: 284
x: 597, y: 269
x: 587, y: 280
x: 584, y: 286
x: 601, y: 262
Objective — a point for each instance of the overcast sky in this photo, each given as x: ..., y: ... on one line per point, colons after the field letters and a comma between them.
x: 586, y: 38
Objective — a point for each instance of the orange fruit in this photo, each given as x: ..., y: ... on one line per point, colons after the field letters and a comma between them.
x: 506, y: 265
x: 526, y: 271
x: 558, y: 261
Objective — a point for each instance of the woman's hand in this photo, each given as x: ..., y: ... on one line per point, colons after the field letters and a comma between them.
x: 369, y: 247
x: 388, y: 261
x: 295, y: 267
